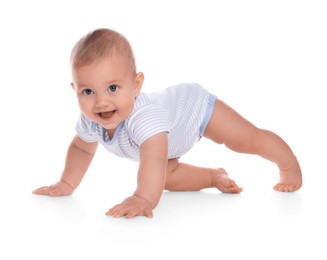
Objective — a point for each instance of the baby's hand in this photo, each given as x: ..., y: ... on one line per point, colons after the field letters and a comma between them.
x: 131, y: 207
x: 61, y: 188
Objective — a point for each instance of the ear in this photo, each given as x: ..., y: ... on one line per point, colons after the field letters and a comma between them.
x: 139, y: 82
x: 72, y: 85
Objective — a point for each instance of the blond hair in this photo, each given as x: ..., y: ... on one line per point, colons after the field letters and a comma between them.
x: 99, y: 44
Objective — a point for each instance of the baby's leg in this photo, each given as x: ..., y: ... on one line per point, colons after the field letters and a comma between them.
x: 227, y: 127
x: 186, y: 177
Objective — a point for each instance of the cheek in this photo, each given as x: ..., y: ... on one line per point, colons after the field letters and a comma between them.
x: 126, y: 104
x: 131, y: 104
x: 83, y: 104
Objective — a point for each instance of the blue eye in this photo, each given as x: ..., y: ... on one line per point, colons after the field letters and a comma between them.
x: 88, y: 91
x: 112, y: 88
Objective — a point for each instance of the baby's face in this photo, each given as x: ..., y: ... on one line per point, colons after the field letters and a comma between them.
x: 106, y: 90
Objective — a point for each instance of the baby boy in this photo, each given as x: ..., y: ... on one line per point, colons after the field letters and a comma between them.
x: 155, y: 129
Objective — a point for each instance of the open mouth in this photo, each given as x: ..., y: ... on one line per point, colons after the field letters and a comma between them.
x: 106, y: 115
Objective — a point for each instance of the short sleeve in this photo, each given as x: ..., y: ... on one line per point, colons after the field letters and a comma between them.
x: 84, y: 129
x: 147, y: 122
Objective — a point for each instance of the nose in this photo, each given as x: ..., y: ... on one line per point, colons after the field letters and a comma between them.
x: 101, y: 101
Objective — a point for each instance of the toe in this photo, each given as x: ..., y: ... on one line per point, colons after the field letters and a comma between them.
x: 281, y: 188
x: 276, y: 187
x: 284, y: 187
x: 290, y: 188
x: 233, y: 188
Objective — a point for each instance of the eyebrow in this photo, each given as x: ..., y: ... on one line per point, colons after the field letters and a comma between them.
x: 116, y: 81
x: 113, y: 81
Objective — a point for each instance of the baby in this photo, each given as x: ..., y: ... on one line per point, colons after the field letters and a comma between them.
x: 155, y: 129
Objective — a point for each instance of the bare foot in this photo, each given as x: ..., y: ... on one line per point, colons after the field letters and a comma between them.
x: 222, y: 182
x: 290, y: 179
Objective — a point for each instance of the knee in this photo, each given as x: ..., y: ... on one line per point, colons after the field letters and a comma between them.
x: 171, y: 168
x: 172, y: 165
x: 246, y: 142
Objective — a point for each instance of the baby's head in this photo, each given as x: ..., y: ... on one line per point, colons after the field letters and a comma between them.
x: 99, y: 44
x: 105, y: 78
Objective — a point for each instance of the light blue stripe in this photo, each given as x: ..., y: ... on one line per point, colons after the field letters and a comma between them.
x: 208, y: 114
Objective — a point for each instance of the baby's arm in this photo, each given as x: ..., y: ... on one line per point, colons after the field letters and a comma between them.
x: 78, y: 159
x: 150, y: 181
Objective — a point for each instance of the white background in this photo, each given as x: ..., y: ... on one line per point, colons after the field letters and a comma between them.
x: 267, y: 59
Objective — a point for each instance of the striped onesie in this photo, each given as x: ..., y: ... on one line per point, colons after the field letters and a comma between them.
x: 183, y: 111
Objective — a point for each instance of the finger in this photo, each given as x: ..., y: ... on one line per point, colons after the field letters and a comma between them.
x: 117, y: 211
x: 43, y: 190
x: 55, y: 193
x: 121, y: 212
x: 148, y: 213
x: 132, y: 213
x: 109, y: 213
x: 113, y: 210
